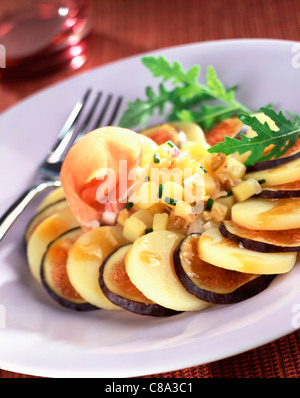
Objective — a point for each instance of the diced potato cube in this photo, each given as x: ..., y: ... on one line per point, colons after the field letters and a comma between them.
x: 165, y: 174
x: 246, y: 189
x: 123, y: 217
x: 209, y: 184
x: 189, y: 166
x: 162, y: 163
x: 146, y: 195
x: 197, y: 149
x: 157, y: 208
x: 228, y: 201
x: 133, y: 229
x: 164, y: 149
x: 160, y: 221
x: 183, y: 210
x: 221, y: 210
x: 146, y: 159
x: 171, y: 193
x: 233, y: 167
x: 145, y: 216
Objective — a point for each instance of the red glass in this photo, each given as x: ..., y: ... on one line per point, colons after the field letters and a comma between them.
x: 44, y: 37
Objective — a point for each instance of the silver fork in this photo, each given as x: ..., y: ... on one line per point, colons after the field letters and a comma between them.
x: 48, y: 174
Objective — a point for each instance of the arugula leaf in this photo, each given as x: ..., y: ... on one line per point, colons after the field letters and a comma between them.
x: 217, y: 88
x: 207, y: 116
x: 140, y: 111
x: 185, y: 95
x: 160, y: 67
x: 267, y: 144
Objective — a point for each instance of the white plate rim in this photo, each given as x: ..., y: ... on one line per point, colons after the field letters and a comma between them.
x: 15, y: 367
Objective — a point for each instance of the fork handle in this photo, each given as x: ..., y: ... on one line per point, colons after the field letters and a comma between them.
x: 14, y: 211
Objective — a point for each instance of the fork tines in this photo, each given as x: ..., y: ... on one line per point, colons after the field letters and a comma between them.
x: 104, y: 112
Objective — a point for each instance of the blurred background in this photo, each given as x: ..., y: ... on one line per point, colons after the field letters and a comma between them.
x: 47, y: 41
x: 114, y: 29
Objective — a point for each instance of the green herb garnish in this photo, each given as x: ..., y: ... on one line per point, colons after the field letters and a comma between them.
x: 156, y: 158
x: 188, y: 100
x: 186, y: 97
x: 203, y: 169
x: 170, y: 143
x: 170, y: 201
x: 129, y: 205
x: 209, y: 204
x: 277, y: 142
x: 160, y: 191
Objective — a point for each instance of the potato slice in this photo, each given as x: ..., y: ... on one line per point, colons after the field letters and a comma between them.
x: 267, y: 214
x: 42, y: 215
x: 221, y: 252
x: 47, y: 230
x: 55, y: 195
x: 85, y: 259
x: 149, y: 265
x: 288, y: 172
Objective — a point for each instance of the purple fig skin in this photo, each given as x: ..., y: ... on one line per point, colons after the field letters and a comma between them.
x: 278, y: 194
x: 258, y: 246
x: 244, y: 292
x: 271, y: 164
x: 136, y: 307
x: 62, y: 301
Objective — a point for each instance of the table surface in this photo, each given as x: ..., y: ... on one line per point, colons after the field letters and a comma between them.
x: 123, y: 28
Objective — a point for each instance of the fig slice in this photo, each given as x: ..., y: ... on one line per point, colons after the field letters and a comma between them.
x: 118, y: 288
x: 282, y: 174
x: 149, y: 265
x: 272, y: 163
x: 290, y: 190
x: 48, y: 229
x: 213, y: 284
x: 267, y: 214
x: 55, y: 195
x: 41, y: 215
x: 162, y: 133
x: 215, y: 249
x: 262, y: 241
x: 54, y: 275
x: 85, y: 259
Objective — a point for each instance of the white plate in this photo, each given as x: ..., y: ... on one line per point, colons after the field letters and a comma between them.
x: 39, y: 338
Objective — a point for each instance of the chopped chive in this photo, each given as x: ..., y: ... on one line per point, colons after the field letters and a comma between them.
x: 201, y: 167
x: 209, y: 204
x: 170, y: 143
x: 160, y: 190
x: 170, y: 201
x: 147, y: 178
x: 261, y: 181
x: 148, y: 230
x: 129, y: 205
x: 156, y: 158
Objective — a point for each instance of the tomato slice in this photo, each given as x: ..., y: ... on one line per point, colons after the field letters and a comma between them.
x: 97, y: 173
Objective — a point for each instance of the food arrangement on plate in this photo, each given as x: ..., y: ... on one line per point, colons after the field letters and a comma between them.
x: 201, y: 209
